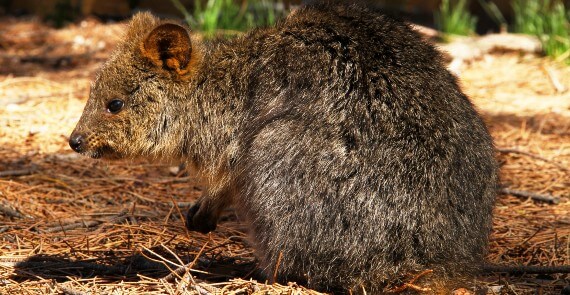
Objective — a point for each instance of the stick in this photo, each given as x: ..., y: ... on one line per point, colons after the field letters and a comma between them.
x: 179, y: 212
x: 185, y: 268
x: 417, y: 288
x: 411, y: 284
x: 85, y: 266
x: 524, y: 194
x: 10, y: 212
x: 554, y: 80
x: 202, y: 290
x: 18, y: 172
x: 177, y: 273
x: 83, y: 224
x: 277, y: 267
x: 516, y: 151
x: 86, y: 224
x: 526, y: 269
x: 70, y: 291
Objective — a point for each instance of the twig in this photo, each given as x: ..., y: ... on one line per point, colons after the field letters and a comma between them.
x: 411, y: 284
x: 417, y: 288
x: 527, y: 269
x: 82, y: 224
x: 119, y: 217
x: 10, y: 212
x: 87, y: 224
x: 182, y: 270
x: 177, y: 272
x: 178, y: 210
x: 18, y: 172
x: 70, y: 291
x: 524, y: 194
x: 554, y: 80
x: 83, y: 265
x: 201, y: 290
x: 277, y: 267
x: 534, y: 156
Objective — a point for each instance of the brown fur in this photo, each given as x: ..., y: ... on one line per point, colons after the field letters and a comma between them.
x: 338, y: 135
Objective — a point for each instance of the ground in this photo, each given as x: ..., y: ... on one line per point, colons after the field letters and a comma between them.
x: 74, y: 225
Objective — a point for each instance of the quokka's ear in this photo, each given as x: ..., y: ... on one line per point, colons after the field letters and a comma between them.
x: 168, y: 46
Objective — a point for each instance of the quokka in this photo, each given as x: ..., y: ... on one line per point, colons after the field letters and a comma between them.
x: 338, y: 136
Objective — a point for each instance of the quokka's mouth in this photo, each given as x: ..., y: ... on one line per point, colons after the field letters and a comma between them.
x: 104, y: 152
x: 92, y: 154
x: 95, y: 154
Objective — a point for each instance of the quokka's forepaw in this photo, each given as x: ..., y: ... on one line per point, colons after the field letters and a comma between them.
x: 198, y: 219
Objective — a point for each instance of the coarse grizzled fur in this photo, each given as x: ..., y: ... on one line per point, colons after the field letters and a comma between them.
x: 338, y: 135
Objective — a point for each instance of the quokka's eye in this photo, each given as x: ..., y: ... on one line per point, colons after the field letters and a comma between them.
x: 115, y: 106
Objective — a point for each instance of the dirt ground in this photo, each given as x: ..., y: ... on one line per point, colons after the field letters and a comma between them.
x: 71, y: 225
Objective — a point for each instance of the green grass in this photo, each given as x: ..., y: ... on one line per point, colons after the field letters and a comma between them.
x: 454, y: 18
x: 229, y: 17
x: 64, y: 12
x: 493, y: 11
x: 549, y: 20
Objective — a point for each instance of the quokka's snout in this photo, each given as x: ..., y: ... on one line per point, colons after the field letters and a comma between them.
x: 76, y: 142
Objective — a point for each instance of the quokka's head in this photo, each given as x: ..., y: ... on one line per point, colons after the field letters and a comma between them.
x: 129, y: 112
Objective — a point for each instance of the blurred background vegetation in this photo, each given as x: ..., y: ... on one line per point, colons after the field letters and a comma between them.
x: 549, y: 20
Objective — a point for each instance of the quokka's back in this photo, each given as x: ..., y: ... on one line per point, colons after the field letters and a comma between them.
x: 338, y: 135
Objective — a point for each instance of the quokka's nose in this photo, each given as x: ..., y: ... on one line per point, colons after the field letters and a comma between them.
x: 76, y: 142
